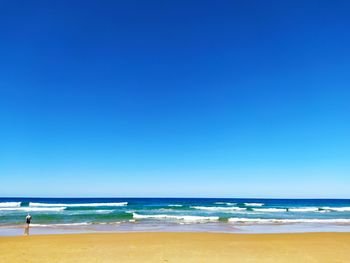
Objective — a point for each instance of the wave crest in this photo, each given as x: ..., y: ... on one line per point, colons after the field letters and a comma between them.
x: 253, y: 204
x: 174, y: 217
x: 77, y: 205
x: 219, y: 208
x: 10, y: 204
x: 268, y: 210
x: 336, y: 209
x: 34, y: 209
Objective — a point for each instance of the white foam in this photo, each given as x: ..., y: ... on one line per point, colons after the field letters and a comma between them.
x: 78, y: 205
x: 33, y: 209
x: 268, y: 210
x: 102, y: 211
x: 337, y: 209
x: 183, y: 218
x: 218, y: 208
x: 287, y: 221
x: 10, y: 204
x: 304, y: 209
x: 175, y: 205
x: 253, y: 204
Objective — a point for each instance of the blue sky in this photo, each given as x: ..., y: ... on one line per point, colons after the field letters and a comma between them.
x: 175, y: 98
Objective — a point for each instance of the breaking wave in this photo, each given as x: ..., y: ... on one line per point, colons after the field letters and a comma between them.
x: 10, y: 204
x: 253, y: 204
x: 34, y: 209
x: 179, y: 217
x: 78, y: 205
x: 219, y: 208
x: 268, y: 210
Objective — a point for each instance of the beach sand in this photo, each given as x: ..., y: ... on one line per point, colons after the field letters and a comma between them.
x: 177, y: 247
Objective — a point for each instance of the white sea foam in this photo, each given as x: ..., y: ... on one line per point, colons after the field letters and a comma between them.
x: 175, y: 205
x: 253, y: 204
x: 337, y: 209
x: 78, y: 205
x: 268, y: 210
x: 102, y: 211
x: 287, y: 221
x: 219, y: 208
x: 33, y: 209
x: 175, y: 217
x: 304, y: 209
x: 10, y: 204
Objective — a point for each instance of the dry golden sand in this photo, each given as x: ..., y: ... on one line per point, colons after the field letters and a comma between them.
x: 177, y: 247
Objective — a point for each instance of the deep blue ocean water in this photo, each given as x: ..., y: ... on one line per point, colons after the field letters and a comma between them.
x: 221, y: 214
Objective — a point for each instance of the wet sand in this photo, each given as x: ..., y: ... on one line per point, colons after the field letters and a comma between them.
x: 177, y: 247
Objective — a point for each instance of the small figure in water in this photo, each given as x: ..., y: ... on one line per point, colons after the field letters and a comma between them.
x: 26, y: 229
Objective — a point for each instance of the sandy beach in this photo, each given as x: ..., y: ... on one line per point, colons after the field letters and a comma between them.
x: 177, y: 247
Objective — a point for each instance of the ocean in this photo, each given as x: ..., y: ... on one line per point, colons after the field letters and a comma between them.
x: 238, y: 215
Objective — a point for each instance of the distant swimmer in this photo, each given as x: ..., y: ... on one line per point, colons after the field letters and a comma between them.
x: 28, y: 219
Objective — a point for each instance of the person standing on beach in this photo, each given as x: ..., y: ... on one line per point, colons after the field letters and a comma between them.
x: 26, y: 229
x: 28, y: 219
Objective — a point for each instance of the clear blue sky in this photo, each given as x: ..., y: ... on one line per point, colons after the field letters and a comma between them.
x: 175, y: 98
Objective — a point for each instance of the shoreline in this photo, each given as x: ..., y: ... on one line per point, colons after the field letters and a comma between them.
x: 177, y: 247
x: 137, y: 227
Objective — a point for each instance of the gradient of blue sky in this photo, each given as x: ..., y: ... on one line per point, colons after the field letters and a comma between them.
x: 175, y: 98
